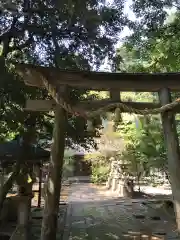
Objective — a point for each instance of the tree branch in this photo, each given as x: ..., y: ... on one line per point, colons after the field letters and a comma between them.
x: 13, y: 31
x: 21, y: 46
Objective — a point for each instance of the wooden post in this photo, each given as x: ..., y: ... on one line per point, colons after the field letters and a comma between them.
x: 115, y: 96
x: 40, y: 183
x: 173, y: 154
x: 53, y: 185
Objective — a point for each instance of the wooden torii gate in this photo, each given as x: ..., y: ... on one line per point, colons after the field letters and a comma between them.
x: 57, y: 81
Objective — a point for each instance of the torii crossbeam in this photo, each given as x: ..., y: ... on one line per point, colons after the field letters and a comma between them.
x: 140, y: 82
x: 53, y: 79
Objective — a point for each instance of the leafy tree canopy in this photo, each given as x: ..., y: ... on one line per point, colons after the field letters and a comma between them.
x: 149, y: 50
x: 66, y: 34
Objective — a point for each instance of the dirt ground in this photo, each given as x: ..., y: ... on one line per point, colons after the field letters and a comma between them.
x: 93, y: 212
x: 64, y: 195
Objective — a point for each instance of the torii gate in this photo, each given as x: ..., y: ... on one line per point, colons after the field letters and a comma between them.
x: 56, y: 82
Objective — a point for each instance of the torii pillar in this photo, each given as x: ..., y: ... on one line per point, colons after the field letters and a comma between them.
x: 173, y: 152
x: 53, y: 184
x: 53, y: 187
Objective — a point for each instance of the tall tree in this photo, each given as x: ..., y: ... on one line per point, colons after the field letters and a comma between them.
x: 85, y: 32
x: 156, y: 49
x: 68, y: 34
x: 150, y: 16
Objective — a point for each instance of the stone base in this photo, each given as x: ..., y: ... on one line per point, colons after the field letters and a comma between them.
x: 20, y: 233
x: 109, y: 183
x: 115, y: 184
x: 123, y: 188
x: 120, y: 188
x: 10, y: 209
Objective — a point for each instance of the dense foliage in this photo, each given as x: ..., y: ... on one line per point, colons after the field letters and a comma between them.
x: 67, y: 34
x: 153, y: 46
x: 145, y: 148
x: 154, y: 49
x: 81, y: 35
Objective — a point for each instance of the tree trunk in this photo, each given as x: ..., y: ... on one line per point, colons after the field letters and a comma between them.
x: 53, y: 185
x: 173, y: 154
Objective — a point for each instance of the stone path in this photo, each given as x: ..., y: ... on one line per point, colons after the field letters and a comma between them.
x: 87, y: 192
x: 96, y: 214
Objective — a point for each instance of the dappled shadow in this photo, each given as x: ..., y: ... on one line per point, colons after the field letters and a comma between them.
x: 95, y: 214
x: 142, y: 194
x: 108, y: 232
x: 88, y: 192
x: 117, y: 220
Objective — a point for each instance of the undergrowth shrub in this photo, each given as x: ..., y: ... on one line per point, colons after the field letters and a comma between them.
x: 99, y: 174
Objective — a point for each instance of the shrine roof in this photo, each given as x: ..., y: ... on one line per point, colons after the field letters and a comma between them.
x: 11, y: 150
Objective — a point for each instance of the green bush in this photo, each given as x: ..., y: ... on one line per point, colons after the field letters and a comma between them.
x: 99, y: 174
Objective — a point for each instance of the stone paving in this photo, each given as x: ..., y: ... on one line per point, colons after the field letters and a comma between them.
x: 101, y: 215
